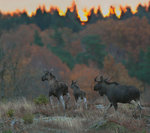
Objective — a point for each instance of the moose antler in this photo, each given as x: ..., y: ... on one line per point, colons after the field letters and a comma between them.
x: 108, y: 79
x: 96, y: 79
x: 102, y: 76
x: 46, y: 71
x: 74, y: 81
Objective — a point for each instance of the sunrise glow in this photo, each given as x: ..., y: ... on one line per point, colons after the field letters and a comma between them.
x: 83, y: 7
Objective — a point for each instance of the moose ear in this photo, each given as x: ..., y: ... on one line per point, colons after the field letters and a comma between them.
x: 50, y: 74
x: 45, y: 72
x: 95, y: 80
x: 101, y: 78
x: 53, y: 76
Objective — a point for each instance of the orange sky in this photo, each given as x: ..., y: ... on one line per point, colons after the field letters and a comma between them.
x: 31, y: 5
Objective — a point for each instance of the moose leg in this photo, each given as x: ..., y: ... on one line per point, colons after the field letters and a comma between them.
x: 139, y: 104
x: 85, y: 102
x: 78, y: 102
x: 61, y: 99
x: 135, y: 105
x: 51, y: 100
x: 107, y: 108
x: 115, y: 106
x: 139, y: 107
x: 105, y: 100
x: 68, y: 98
x: 133, y: 102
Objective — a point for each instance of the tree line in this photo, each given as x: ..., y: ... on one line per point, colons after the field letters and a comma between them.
x: 118, y: 47
x: 44, y: 19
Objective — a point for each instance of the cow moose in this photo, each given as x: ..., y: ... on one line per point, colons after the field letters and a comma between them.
x: 79, y: 95
x: 57, y: 89
x: 117, y: 93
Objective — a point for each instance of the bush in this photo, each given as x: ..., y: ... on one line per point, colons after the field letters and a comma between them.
x: 10, y: 113
x: 7, y: 131
x: 28, y: 118
x: 41, y: 100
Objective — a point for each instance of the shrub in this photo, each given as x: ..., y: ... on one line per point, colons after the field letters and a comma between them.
x: 41, y: 100
x: 28, y: 118
x: 10, y: 113
x: 7, y: 131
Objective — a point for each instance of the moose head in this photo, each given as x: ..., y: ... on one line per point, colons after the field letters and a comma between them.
x: 99, y: 85
x: 102, y: 84
x: 48, y: 76
x: 73, y: 84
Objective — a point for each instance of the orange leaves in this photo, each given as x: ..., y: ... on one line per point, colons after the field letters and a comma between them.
x: 131, y: 34
x: 84, y: 75
x: 119, y: 73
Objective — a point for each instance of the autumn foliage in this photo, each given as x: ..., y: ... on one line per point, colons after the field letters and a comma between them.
x: 119, y: 73
x: 26, y: 51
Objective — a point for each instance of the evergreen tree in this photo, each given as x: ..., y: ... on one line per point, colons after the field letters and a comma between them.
x: 145, y: 67
x: 93, y: 18
x: 94, y: 50
x: 64, y: 55
x: 58, y: 38
x: 72, y: 21
x: 140, y: 68
x: 37, y: 39
x: 127, y: 14
x: 141, y: 11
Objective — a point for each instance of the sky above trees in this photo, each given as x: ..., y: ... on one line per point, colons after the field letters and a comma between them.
x: 32, y: 5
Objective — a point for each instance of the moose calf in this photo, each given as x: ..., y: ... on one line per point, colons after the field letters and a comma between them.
x: 78, y: 94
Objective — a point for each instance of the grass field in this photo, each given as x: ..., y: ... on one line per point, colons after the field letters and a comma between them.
x: 24, y: 116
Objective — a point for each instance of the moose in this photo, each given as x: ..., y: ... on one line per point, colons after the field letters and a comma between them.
x: 117, y: 93
x: 57, y: 89
x: 79, y: 95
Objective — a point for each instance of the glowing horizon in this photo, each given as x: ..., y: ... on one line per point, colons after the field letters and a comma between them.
x: 83, y: 6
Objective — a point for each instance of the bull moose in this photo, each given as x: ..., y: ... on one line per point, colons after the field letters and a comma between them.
x: 56, y: 88
x: 78, y: 94
x: 117, y: 93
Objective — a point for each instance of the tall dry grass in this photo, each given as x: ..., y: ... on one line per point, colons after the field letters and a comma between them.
x: 48, y: 119
x: 18, y: 106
